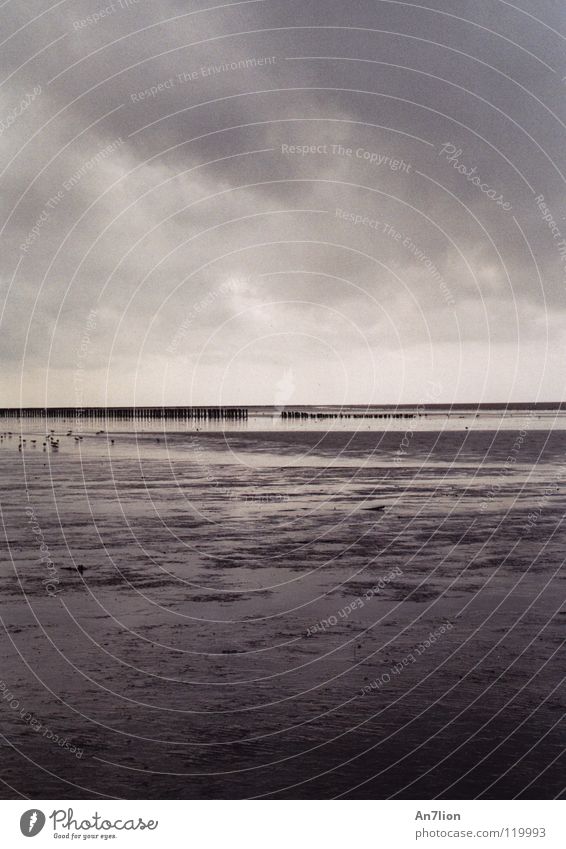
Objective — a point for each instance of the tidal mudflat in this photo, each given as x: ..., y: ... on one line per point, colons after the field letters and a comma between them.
x: 283, y: 614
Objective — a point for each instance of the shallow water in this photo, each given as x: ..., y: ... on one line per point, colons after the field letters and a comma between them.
x: 253, y: 610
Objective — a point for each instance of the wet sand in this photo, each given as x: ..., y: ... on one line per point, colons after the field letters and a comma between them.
x: 253, y: 615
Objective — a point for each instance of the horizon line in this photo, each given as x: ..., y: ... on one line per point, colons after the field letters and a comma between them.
x: 282, y: 407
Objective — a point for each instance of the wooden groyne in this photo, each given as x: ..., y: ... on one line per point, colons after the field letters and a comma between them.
x: 124, y: 413
x: 300, y: 414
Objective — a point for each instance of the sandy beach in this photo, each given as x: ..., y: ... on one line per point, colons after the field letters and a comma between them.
x: 283, y: 614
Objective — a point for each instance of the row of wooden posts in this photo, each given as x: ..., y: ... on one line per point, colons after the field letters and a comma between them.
x: 176, y: 413
x: 296, y: 414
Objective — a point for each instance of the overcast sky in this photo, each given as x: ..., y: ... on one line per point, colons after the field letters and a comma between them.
x: 281, y: 201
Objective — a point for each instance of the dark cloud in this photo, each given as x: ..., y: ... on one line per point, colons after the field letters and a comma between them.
x: 156, y: 182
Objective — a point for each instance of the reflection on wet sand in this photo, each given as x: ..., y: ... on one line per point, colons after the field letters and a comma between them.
x: 283, y: 613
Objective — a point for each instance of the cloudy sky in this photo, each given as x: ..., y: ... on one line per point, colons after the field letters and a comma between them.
x: 282, y: 202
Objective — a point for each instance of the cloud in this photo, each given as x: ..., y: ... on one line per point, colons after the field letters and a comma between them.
x: 153, y: 167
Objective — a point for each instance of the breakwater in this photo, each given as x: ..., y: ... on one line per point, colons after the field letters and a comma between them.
x: 123, y: 413
x: 301, y: 414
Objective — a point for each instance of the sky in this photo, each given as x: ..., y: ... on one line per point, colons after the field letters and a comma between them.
x: 267, y: 202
